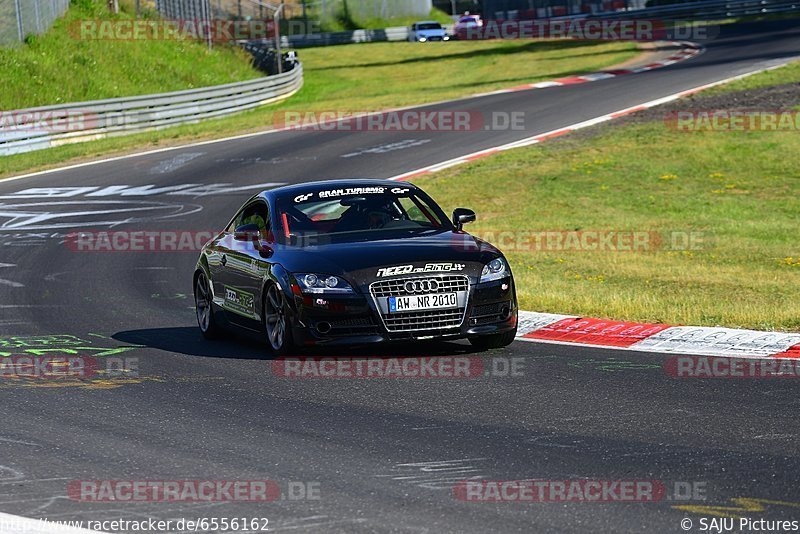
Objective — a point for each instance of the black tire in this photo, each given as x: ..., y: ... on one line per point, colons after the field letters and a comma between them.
x: 493, y: 341
x: 203, y: 304
x: 275, y: 320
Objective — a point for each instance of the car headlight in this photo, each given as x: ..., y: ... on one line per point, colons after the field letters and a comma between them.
x: 494, y: 270
x: 322, y: 283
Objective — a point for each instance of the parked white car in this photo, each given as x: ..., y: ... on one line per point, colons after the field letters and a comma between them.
x: 422, y: 32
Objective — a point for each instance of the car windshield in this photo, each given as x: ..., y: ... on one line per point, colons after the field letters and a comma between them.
x: 466, y: 20
x: 357, y: 214
x: 429, y: 26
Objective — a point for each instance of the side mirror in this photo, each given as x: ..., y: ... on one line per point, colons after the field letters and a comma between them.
x: 247, y: 232
x: 462, y: 216
x: 251, y: 232
x: 264, y: 250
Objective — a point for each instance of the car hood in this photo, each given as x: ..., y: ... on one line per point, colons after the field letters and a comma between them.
x: 361, y: 261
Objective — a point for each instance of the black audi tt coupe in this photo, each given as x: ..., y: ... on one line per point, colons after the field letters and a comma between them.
x: 353, y: 262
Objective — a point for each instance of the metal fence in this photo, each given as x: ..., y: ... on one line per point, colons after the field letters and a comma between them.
x: 20, y: 18
x: 321, y: 11
x: 360, y: 10
x: 185, y: 9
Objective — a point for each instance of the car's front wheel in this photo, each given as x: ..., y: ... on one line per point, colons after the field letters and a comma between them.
x: 276, y: 321
x: 202, y: 304
x: 493, y: 341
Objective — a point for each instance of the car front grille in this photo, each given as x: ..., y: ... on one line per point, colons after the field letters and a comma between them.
x: 422, y: 320
x: 396, y: 288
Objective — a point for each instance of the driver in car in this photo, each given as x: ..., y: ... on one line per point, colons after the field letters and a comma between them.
x: 367, y: 215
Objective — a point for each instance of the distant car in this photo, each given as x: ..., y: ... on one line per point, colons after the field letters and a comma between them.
x: 467, y: 24
x: 353, y: 262
x: 423, y: 32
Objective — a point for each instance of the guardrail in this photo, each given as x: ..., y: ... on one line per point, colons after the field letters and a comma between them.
x: 700, y: 10
x: 338, y: 38
x: 708, y: 10
x: 397, y: 33
x: 38, y: 128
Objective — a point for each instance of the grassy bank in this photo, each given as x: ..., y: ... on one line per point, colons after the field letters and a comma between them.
x: 369, y: 77
x: 739, y: 191
x: 57, y: 67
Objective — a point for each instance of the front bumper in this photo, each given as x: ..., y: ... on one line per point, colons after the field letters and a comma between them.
x: 489, y: 308
x: 431, y: 38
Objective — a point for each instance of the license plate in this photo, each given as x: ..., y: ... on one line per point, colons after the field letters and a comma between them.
x: 435, y: 301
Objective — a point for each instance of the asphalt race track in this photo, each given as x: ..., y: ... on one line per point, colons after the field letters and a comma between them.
x: 384, y: 455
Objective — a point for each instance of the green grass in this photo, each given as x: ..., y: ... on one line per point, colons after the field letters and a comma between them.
x: 741, y: 190
x: 381, y: 75
x: 56, y: 67
x: 788, y: 74
x: 371, y: 77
